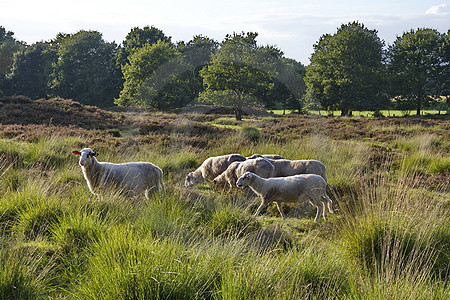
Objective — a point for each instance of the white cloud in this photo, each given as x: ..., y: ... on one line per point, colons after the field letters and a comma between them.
x: 441, y: 9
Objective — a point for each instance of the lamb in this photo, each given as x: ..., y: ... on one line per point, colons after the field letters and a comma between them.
x: 269, y: 156
x: 259, y: 166
x: 211, y: 168
x: 133, y: 178
x: 295, y: 188
x: 286, y: 167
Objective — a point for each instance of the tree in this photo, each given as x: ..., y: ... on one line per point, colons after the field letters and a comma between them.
x: 197, y: 54
x: 30, y: 72
x: 346, y: 71
x: 198, y: 51
x: 288, y: 85
x: 444, y: 51
x: 237, y: 74
x: 8, y: 46
x: 86, y: 69
x: 415, y: 66
x: 157, y: 76
x: 137, y: 38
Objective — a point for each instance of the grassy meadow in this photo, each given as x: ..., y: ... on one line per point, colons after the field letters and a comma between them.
x: 388, y: 238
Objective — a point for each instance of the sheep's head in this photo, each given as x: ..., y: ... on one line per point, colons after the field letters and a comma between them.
x: 244, y: 180
x: 190, y: 180
x: 87, y: 155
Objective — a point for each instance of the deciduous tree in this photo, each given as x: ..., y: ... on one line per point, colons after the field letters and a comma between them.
x: 158, y: 76
x: 237, y: 74
x: 86, y: 69
x: 30, y: 73
x: 137, y: 38
x: 346, y: 71
x: 8, y: 47
x: 415, y: 67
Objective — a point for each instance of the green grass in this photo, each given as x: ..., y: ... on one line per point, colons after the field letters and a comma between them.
x: 388, y: 238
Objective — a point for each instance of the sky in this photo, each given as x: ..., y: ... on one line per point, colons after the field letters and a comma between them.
x: 293, y: 26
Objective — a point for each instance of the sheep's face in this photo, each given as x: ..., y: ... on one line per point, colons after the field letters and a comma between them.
x: 244, y: 180
x: 190, y: 180
x: 86, y: 156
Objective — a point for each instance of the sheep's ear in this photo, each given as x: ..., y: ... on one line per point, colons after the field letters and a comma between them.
x: 95, y: 153
x: 76, y: 152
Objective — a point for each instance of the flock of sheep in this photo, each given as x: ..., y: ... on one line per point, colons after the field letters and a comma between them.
x: 272, y: 177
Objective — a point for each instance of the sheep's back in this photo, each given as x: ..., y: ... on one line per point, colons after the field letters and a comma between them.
x: 133, y: 175
x: 284, y: 167
x: 260, y: 166
x: 291, y: 188
x: 214, y: 166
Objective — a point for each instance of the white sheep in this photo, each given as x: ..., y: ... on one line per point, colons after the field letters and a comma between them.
x: 295, y: 188
x: 211, y: 168
x: 133, y: 178
x: 286, y: 167
x: 259, y: 166
x: 269, y: 156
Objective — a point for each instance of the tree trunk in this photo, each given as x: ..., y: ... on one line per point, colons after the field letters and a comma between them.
x: 419, y: 105
x: 238, y: 114
x: 237, y: 110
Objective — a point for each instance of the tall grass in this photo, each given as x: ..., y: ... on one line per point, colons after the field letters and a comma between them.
x: 396, y: 234
x: 22, y: 273
x: 126, y: 265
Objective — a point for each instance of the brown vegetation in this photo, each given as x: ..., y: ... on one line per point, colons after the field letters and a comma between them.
x: 57, y: 111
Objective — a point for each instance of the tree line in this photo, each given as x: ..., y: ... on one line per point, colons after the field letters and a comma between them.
x: 349, y: 70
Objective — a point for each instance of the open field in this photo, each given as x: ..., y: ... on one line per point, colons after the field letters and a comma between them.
x: 388, y: 239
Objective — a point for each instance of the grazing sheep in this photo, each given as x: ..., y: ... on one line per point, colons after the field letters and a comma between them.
x: 133, y: 178
x: 211, y: 168
x: 295, y: 188
x: 269, y: 156
x: 259, y: 166
x: 286, y: 167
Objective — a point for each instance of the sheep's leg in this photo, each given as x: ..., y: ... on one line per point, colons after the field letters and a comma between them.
x: 324, y: 211
x: 280, y: 209
x: 150, y: 192
x: 318, y: 213
x: 263, y: 204
x: 259, y: 209
x: 329, y: 203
